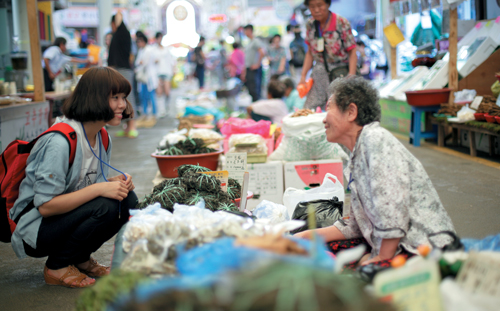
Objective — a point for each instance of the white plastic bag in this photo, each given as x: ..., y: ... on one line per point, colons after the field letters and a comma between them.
x: 305, y: 139
x: 466, y: 114
x: 330, y: 187
x: 275, y: 213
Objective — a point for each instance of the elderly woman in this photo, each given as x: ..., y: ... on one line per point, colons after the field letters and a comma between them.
x: 329, y: 38
x: 394, y: 206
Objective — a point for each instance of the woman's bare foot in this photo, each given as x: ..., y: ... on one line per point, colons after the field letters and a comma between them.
x: 72, y: 277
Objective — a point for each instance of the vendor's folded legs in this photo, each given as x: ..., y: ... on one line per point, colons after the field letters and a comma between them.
x: 338, y: 246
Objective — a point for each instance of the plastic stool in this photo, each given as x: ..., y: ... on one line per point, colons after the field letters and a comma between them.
x: 415, y: 131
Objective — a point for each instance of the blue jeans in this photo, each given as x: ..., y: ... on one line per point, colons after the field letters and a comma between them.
x: 147, y: 96
x: 254, y: 83
x: 200, y: 74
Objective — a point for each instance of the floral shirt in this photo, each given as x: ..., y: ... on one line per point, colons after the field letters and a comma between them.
x: 391, y: 195
x: 338, y: 40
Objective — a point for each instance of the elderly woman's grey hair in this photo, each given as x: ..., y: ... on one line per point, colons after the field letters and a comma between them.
x: 359, y: 91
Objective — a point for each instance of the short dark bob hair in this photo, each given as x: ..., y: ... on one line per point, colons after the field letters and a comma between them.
x: 89, y: 102
x: 329, y: 2
x: 360, y: 92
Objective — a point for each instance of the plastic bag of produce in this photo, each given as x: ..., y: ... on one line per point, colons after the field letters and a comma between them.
x: 305, y: 139
x: 331, y: 187
x: 327, y: 212
x: 242, y: 126
x: 466, y: 114
x: 249, y: 143
x: 275, y: 213
x: 489, y: 243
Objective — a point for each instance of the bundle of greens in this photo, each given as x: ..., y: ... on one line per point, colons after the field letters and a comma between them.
x: 190, y: 187
x: 187, y: 146
x: 278, y: 286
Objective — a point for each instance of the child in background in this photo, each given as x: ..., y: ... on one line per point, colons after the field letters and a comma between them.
x: 292, y: 98
x: 68, y: 211
x: 271, y: 109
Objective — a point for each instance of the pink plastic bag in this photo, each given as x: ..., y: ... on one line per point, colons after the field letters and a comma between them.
x: 243, y: 126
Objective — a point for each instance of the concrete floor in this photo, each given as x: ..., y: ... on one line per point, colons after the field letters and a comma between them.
x: 468, y: 189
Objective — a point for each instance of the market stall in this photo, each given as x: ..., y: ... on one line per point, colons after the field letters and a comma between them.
x: 22, y: 119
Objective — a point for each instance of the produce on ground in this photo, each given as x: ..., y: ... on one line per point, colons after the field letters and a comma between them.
x: 190, y: 187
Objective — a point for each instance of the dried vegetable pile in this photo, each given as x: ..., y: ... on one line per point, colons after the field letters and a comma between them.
x: 190, y: 187
x: 488, y: 103
x: 301, y: 113
x: 187, y: 146
x: 449, y: 109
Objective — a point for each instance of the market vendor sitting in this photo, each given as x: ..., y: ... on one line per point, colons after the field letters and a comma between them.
x: 271, y: 109
x: 394, y: 206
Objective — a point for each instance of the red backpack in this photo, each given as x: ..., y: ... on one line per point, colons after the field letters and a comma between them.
x: 13, y: 171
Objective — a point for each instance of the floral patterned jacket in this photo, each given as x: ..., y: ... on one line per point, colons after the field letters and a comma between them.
x: 391, y: 195
x: 338, y: 40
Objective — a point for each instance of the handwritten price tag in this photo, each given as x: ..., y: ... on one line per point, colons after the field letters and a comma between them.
x: 236, y: 165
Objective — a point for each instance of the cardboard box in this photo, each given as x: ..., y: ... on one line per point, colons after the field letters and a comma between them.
x: 309, y: 174
x: 266, y: 182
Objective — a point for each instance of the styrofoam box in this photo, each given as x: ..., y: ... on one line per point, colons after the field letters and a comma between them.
x: 310, y: 174
x: 266, y: 180
x: 435, y: 78
x: 471, y: 56
x: 414, y: 76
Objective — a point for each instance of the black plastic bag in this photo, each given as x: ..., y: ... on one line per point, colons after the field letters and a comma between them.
x: 327, y: 212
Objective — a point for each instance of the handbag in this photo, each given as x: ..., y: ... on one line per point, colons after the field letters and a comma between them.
x: 340, y: 71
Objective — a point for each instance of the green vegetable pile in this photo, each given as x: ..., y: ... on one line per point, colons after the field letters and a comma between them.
x: 188, y: 146
x: 190, y: 187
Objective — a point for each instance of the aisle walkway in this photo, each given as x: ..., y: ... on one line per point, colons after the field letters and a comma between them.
x: 468, y: 190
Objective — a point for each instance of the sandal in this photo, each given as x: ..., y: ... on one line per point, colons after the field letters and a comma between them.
x: 76, y: 282
x: 133, y: 134
x: 121, y: 134
x: 91, y: 270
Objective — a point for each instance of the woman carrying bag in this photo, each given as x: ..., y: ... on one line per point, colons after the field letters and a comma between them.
x: 332, y: 48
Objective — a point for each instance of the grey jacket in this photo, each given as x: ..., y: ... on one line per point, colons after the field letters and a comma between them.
x: 47, y: 175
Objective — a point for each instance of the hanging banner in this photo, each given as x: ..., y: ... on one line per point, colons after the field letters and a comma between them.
x: 218, y: 18
x: 435, y: 4
x: 405, y: 7
x: 415, y: 6
x: 425, y: 5
x: 393, y: 35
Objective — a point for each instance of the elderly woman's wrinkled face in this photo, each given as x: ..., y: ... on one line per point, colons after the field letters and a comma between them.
x: 336, y: 122
x: 319, y: 9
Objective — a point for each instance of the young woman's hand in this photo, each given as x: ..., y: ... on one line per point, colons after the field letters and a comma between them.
x: 116, y: 190
x: 128, y: 182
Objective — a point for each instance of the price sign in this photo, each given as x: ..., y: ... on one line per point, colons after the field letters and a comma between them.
x: 236, y: 165
x: 476, y: 102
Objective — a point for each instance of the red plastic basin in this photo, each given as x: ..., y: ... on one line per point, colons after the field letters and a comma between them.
x: 497, y: 119
x: 168, y: 164
x: 490, y: 119
x: 479, y: 117
x: 249, y: 196
x: 427, y: 97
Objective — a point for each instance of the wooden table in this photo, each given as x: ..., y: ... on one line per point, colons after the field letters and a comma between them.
x: 456, y: 127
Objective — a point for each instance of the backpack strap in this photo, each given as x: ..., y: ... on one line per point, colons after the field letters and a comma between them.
x: 105, y: 138
x: 68, y: 132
